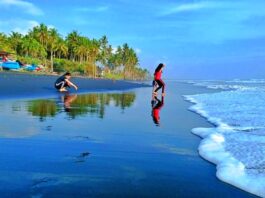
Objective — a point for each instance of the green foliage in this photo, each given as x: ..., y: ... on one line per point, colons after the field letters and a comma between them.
x: 75, y: 53
x: 93, y: 104
x: 114, y: 76
x: 42, y: 108
x: 29, y: 60
x: 4, y: 43
x: 62, y: 65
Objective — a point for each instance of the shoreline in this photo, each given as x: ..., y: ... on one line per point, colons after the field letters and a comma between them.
x: 24, y: 85
x: 161, y: 159
x: 212, y: 150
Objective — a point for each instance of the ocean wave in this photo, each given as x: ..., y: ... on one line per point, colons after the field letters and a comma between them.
x: 237, y: 143
x: 231, y: 85
x: 250, y: 81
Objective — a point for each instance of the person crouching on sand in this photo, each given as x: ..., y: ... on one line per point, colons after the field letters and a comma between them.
x: 64, y: 81
x: 158, y: 81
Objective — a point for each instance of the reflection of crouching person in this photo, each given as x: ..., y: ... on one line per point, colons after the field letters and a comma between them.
x: 63, y: 82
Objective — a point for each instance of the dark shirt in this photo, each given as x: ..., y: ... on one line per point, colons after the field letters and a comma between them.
x: 60, y: 79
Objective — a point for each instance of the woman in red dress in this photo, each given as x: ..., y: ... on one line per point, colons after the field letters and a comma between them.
x: 157, y: 79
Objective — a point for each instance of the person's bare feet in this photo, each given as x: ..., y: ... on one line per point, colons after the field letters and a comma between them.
x: 63, y: 90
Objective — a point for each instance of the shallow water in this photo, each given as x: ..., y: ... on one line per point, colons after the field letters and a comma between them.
x: 105, y: 145
x: 236, y: 145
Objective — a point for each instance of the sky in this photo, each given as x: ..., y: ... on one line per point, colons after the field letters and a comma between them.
x: 196, y: 39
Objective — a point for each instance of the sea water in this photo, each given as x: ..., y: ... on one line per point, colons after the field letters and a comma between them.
x: 237, y: 143
x: 105, y: 145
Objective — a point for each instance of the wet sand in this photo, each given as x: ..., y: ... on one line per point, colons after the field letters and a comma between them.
x: 113, y: 149
x: 20, y: 85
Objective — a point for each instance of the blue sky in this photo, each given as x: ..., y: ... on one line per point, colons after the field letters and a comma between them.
x: 196, y: 39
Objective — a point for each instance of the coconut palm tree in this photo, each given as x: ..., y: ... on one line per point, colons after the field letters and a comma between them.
x: 31, y: 47
x: 105, y: 52
x: 62, y: 49
x: 72, y: 40
x: 27, y: 45
x: 46, y: 43
x: 53, y: 37
x: 3, y: 38
x: 82, y: 49
x: 93, y: 54
x: 125, y: 55
x: 41, y: 34
x: 15, y: 40
x: 4, y: 43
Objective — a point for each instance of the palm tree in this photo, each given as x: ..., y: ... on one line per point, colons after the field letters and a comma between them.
x: 125, y: 58
x: 53, y: 38
x: 119, y: 54
x: 62, y: 49
x: 132, y: 62
x: 3, y: 38
x: 72, y: 42
x: 41, y: 34
x: 15, y: 40
x: 93, y: 54
x: 27, y: 45
x: 46, y: 43
x: 31, y: 47
x: 104, y: 50
x: 82, y: 49
x: 4, y: 43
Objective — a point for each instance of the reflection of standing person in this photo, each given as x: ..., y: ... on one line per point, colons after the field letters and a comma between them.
x: 63, y: 82
x: 156, y: 107
x: 157, y: 79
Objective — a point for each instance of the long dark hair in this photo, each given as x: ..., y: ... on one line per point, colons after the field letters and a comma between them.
x: 67, y: 74
x: 159, y: 67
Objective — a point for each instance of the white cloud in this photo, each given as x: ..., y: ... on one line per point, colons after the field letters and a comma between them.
x: 92, y: 9
x: 26, y: 27
x: 138, y: 51
x: 114, y: 49
x: 21, y: 26
x: 51, y: 26
x: 188, y: 7
x: 217, y: 22
x: 24, y: 6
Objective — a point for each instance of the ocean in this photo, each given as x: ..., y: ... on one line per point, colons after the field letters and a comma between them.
x: 237, y: 142
x: 108, y: 144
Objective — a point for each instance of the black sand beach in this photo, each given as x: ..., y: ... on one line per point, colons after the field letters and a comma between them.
x: 120, y: 154
x: 20, y: 85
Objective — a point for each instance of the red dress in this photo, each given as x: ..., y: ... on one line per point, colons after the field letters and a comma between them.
x: 158, y: 75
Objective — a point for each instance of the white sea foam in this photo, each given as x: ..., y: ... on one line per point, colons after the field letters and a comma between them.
x: 247, y: 81
x: 237, y: 143
x: 253, y: 84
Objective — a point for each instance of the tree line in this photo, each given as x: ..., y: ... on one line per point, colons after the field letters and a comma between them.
x: 93, y: 104
x: 75, y: 53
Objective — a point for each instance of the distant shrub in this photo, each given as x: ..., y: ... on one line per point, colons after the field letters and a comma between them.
x: 29, y: 60
x: 61, y: 65
x: 113, y: 76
